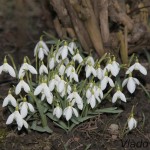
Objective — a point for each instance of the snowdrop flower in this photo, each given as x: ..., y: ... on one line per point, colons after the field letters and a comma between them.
x: 61, y: 85
x: 117, y: 95
x: 78, y: 58
x: 53, y: 82
x: 18, y: 118
x: 57, y: 111
x: 92, y: 96
x: 41, y: 49
x: 75, y: 97
x: 24, y: 107
x: 10, y: 99
x: 63, y: 51
x: 137, y: 66
x: 7, y: 68
x: 90, y: 70
x: 20, y: 85
x: 61, y: 69
x: 99, y: 73
x: 69, y: 111
x: 26, y: 67
x: 99, y: 92
x: 90, y: 61
x: 131, y: 83
x: 44, y: 89
x: 72, y: 45
x: 105, y: 81
x: 52, y: 61
x: 70, y: 71
x: 66, y: 90
x: 116, y: 65
x: 43, y: 69
x: 112, y: 66
x: 132, y: 123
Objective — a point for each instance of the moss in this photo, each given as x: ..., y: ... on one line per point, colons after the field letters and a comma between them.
x: 3, y: 134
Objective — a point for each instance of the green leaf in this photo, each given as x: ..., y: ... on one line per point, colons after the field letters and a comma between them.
x: 40, y: 129
x: 109, y: 110
x: 63, y: 127
x: 52, y: 117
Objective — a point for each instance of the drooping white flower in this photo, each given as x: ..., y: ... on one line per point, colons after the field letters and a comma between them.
x: 24, y: 107
x: 61, y: 85
x: 75, y: 97
x: 71, y: 73
x: 57, y: 111
x: 99, y: 73
x: 98, y: 92
x: 116, y: 66
x: 132, y: 123
x: 90, y: 61
x: 44, y: 89
x: 7, y: 68
x: 10, y: 99
x: 137, y: 66
x: 43, y: 69
x: 69, y: 111
x: 26, y: 67
x: 18, y: 118
x: 119, y: 95
x: 52, y: 62
x: 61, y: 69
x: 92, y: 96
x: 54, y: 82
x: 72, y: 45
x: 78, y: 58
x: 41, y: 49
x: 131, y: 83
x: 89, y: 69
x: 63, y: 52
x: 20, y: 85
x: 66, y: 90
x: 105, y: 81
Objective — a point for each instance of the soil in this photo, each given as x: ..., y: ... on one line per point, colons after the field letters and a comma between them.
x: 93, y: 134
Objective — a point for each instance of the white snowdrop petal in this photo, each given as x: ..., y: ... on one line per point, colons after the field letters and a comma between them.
x: 13, y: 101
x: 18, y: 88
x: 88, y: 71
x: 5, y: 102
x: 115, y: 96
x: 11, y: 71
x: 1, y: 69
x: 41, y: 54
x: 10, y: 119
x: 68, y: 113
x: 111, y: 82
x: 64, y: 52
x: 19, y: 119
x: 25, y: 87
x: 142, y: 69
x: 104, y: 83
x: 130, y: 69
x: 136, y: 81
x: 92, y: 101
x: 31, y: 108
x: 38, y: 90
x: 75, y: 77
x: 25, y: 124
x: 32, y: 69
x: 75, y: 112
x: 51, y: 63
x: 122, y: 96
x: 124, y: 82
x: 52, y: 85
x: 131, y: 85
x: 50, y: 99
x: 24, y: 110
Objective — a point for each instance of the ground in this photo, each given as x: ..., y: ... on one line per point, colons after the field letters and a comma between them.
x: 94, y: 134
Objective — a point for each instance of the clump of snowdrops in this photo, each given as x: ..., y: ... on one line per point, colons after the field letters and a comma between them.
x: 66, y: 87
